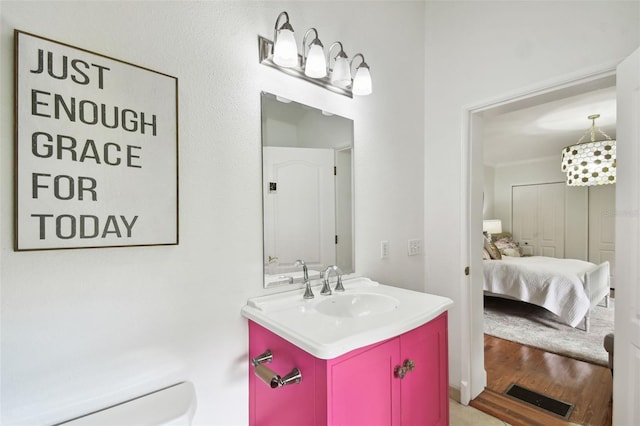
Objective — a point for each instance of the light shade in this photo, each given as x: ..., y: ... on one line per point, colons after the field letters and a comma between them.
x: 316, y: 63
x: 492, y: 226
x: 362, y: 82
x: 590, y: 163
x: 341, y: 70
x: 362, y: 78
x: 341, y: 74
x: 285, y: 50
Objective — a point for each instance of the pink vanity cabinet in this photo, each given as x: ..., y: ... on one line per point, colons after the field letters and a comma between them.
x: 361, y: 387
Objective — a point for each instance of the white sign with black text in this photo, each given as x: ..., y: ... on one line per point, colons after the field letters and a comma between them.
x: 96, y: 150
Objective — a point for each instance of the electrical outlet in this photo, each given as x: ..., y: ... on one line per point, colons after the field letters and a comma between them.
x: 384, y: 249
x: 415, y: 247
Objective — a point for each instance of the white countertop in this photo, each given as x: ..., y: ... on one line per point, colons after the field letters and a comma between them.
x: 326, y: 336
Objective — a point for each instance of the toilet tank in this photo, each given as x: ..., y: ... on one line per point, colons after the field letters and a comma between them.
x: 174, y: 405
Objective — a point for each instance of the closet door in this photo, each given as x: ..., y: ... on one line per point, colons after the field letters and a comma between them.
x: 602, y: 230
x: 525, y: 217
x: 538, y: 218
x: 551, y: 208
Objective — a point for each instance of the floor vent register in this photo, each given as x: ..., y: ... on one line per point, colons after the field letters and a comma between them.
x: 544, y: 402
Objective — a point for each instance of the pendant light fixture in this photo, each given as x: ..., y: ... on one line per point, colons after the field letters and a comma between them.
x: 592, y: 162
x: 314, y: 62
x: 285, y: 49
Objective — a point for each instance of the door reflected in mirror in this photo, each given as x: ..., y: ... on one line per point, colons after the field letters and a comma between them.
x: 307, y: 190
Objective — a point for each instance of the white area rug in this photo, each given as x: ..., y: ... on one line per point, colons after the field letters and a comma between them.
x: 535, y: 326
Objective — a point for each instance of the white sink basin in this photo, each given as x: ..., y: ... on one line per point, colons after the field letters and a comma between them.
x: 330, y: 326
x: 357, y: 305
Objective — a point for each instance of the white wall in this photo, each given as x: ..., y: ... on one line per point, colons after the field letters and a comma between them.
x: 489, y: 193
x: 312, y: 130
x: 82, y: 329
x: 286, y: 134
x: 479, y: 52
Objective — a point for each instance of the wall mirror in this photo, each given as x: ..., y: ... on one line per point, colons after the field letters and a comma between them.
x: 307, y: 190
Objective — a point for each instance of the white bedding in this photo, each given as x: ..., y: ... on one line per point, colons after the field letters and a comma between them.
x: 555, y: 284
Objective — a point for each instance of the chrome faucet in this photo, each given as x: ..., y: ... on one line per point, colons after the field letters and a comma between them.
x: 308, y: 294
x: 326, y: 289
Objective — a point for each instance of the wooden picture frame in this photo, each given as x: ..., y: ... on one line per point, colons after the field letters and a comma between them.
x: 96, y: 149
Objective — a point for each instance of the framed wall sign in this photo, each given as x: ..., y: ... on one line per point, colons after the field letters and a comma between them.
x: 96, y: 150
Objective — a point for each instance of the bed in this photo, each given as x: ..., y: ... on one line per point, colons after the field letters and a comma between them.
x: 569, y: 288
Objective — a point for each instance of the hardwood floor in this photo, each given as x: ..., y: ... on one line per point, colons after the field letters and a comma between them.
x: 587, y: 386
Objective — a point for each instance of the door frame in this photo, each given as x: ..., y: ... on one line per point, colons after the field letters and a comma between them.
x: 627, y: 327
x: 473, y: 374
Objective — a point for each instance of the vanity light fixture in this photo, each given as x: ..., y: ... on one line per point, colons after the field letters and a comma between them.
x: 314, y: 62
x: 592, y: 162
x: 362, y: 77
x: 332, y: 72
x: 285, y: 49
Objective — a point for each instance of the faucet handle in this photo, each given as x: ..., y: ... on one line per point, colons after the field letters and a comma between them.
x: 308, y: 294
x: 339, y: 286
x: 326, y: 289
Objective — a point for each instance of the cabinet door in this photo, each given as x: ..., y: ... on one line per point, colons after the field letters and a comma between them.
x: 425, y: 390
x: 292, y: 405
x: 363, y: 390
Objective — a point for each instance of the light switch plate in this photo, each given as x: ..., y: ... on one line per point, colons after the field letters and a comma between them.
x: 384, y: 249
x: 415, y: 247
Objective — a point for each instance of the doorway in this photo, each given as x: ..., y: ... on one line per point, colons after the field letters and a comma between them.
x: 474, y: 207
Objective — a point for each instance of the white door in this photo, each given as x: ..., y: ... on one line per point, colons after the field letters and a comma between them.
x: 626, y: 379
x: 344, y: 211
x: 524, y: 220
x: 299, y: 208
x: 538, y: 217
x: 551, y: 206
x: 602, y: 237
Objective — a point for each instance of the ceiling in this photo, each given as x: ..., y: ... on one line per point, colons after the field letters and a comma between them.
x: 542, y: 130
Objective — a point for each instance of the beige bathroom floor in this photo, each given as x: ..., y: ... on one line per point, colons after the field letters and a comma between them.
x: 465, y: 415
